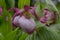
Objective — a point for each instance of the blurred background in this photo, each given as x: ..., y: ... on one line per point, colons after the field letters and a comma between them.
x: 44, y: 33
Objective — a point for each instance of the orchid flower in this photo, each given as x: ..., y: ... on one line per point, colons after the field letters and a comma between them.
x: 22, y: 19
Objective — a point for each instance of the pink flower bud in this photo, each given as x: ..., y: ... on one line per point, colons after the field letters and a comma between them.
x: 49, y: 17
x: 26, y: 7
x: 1, y: 10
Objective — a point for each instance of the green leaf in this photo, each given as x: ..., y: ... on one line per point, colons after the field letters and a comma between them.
x: 1, y: 36
x: 18, y: 34
x: 11, y: 35
x: 50, y: 4
x: 55, y: 29
x: 45, y: 33
x: 10, y: 3
x: 21, y: 3
x: 6, y: 26
x: 2, y: 3
x: 38, y: 11
x: 23, y: 36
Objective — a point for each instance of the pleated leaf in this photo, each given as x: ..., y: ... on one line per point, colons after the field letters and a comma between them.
x: 50, y: 3
x: 2, y: 3
x: 44, y: 34
x: 11, y: 35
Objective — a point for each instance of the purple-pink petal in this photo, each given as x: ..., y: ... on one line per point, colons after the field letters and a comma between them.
x: 32, y: 10
x: 43, y: 19
x: 14, y: 9
x: 26, y: 7
x: 17, y: 13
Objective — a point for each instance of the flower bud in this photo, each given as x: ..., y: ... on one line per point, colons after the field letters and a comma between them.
x: 49, y: 17
x: 26, y: 8
x: 0, y: 10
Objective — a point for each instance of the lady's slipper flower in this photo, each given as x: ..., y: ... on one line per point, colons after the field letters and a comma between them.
x: 23, y: 20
